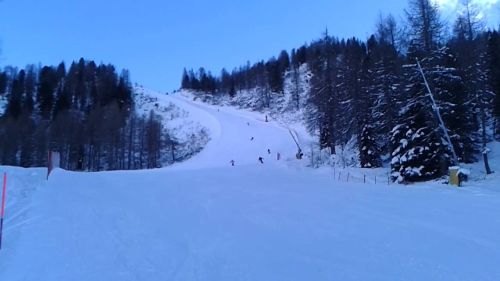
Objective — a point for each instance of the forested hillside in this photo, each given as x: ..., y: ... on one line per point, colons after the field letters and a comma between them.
x: 88, y: 113
x: 372, y: 93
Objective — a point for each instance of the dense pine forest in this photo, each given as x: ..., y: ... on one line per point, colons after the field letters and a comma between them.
x: 373, y: 92
x: 85, y: 112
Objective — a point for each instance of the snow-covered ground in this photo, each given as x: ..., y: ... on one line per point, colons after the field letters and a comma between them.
x: 206, y: 220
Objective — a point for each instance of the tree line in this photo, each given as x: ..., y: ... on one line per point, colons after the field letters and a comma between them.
x: 371, y: 91
x: 86, y: 112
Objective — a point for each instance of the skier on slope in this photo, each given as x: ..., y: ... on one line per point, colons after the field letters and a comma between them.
x: 232, y: 162
x: 261, y: 160
x: 268, y: 151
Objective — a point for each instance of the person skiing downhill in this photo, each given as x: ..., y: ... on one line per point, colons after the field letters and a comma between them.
x: 232, y: 162
x: 261, y: 160
x: 268, y: 151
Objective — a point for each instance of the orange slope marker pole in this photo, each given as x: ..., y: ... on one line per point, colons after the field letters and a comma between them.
x: 3, y: 206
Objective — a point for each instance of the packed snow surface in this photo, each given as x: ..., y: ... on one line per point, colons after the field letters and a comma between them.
x: 207, y: 220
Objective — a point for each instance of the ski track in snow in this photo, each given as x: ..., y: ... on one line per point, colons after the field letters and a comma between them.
x: 206, y: 220
x: 231, y: 133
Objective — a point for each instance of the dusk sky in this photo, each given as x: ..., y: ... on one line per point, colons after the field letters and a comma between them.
x: 156, y: 39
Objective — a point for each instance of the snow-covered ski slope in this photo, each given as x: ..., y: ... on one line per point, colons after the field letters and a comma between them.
x: 231, y: 133
x: 206, y: 220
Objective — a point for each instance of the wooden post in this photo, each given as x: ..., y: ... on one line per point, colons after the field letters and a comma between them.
x: 49, y: 164
x: 3, y: 206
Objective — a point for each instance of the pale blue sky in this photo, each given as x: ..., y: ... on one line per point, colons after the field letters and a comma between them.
x: 156, y: 39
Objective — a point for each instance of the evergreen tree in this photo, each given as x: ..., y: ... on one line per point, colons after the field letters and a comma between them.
x: 298, y: 84
x: 30, y: 88
x: 14, y: 106
x: 322, y: 99
x: 153, y: 140
x: 472, y: 58
x: 274, y: 74
x: 387, y: 31
x: 425, y: 24
x: 369, y: 152
x: 283, y: 62
x: 46, y: 88
x: 351, y: 77
x: 63, y: 101
x: 3, y: 83
x: 194, y: 81
x: 186, y: 83
x: 386, y: 89
x: 452, y: 97
x: 27, y: 145
x: 368, y: 146
x: 419, y: 152
x: 493, y: 53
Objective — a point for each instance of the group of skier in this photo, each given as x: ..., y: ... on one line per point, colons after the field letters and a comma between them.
x: 261, y: 159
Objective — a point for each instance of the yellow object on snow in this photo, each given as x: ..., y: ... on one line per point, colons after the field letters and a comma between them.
x: 454, y: 178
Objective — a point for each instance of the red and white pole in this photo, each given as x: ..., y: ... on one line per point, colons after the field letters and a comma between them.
x: 3, y: 206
